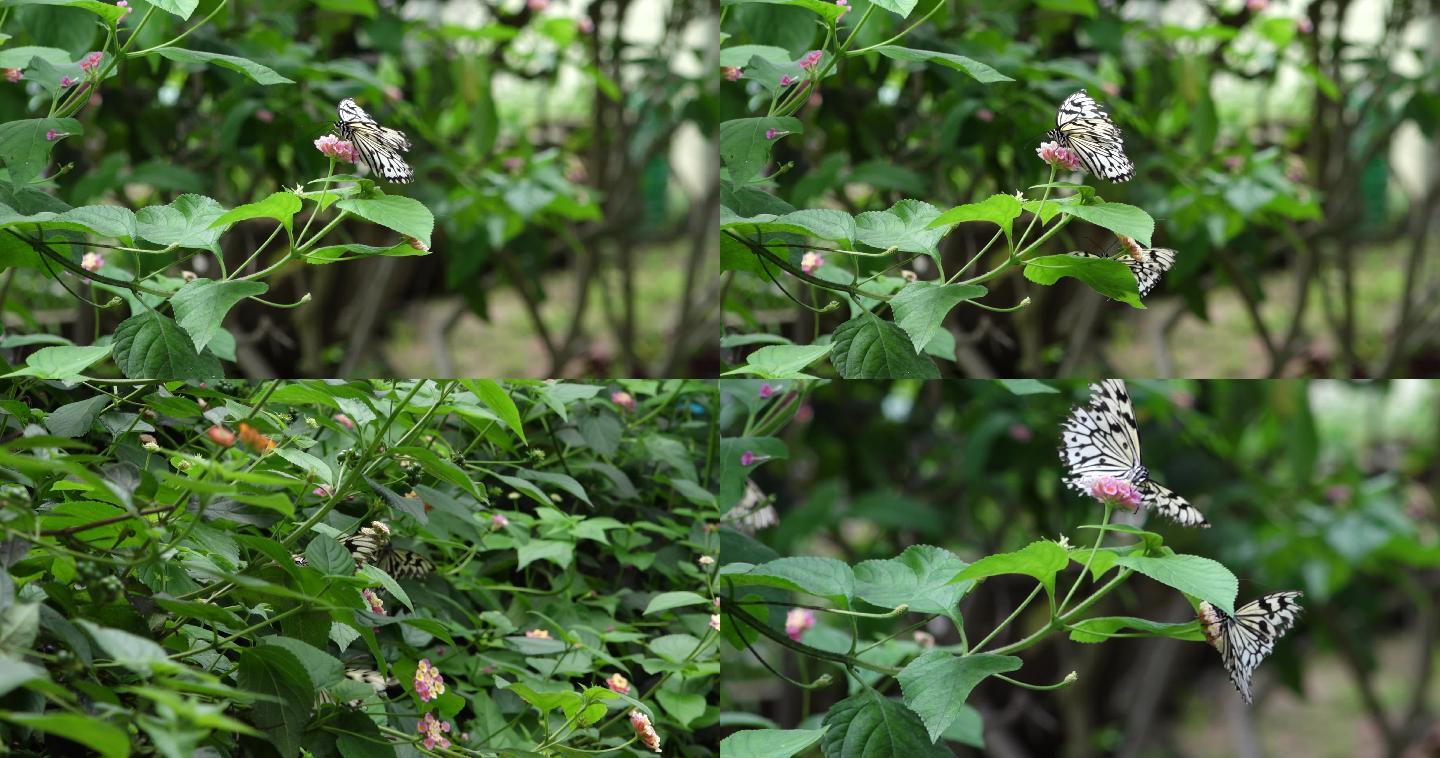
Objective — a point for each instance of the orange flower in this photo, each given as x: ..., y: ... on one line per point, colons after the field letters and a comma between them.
x: 253, y: 439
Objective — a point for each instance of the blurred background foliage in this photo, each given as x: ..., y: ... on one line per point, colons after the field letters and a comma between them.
x: 559, y: 144
x: 1285, y: 150
x: 1323, y: 486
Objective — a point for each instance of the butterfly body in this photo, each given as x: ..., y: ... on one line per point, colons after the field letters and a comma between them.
x: 379, y: 147
x: 1246, y: 638
x: 1102, y: 439
x: 1083, y: 126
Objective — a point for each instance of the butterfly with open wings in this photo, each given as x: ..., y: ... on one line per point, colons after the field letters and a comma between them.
x: 1245, y: 639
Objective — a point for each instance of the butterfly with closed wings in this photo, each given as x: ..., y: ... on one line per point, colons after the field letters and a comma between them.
x: 1245, y: 639
x: 371, y: 545
x: 1083, y: 127
x: 1146, y: 263
x: 379, y: 147
x: 1102, y: 439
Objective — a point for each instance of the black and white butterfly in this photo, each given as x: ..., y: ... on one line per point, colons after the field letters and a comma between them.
x: 371, y: 545
x: 1247, y: 637
x: 1146, y: 263
x: 753, y: 512
x: 379, y: 146
x: 1083, y: 126
x: 377, y: 681
x: 1102, y: 439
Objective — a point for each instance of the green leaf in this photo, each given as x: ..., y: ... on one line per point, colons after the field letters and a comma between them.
x: 921, y: 307
x: 936, y: 684
x: 1001, y: 210
x: 201, y: 306
x: 769, y: 743
x: 74, y: 419
x: 181, y: 8
x: 375, y: 574
x: 733, y: 472
x: 782, y: 361
x: 668, y: 600
x: 744, y: 148
x: 735, y: 57
x: 1117, y: 217
x: 183, y: 223
x: 684, y: 707
x: 559, y: 553
x: 919, y: 577
x: 108, y: 740
x: 900, y: 8
x: 405, y: 215
x: 1082, y: 7
x: 675, y: 648
x: 977, y: 70
x: 1193, y: 575
x: 1097, y: 629
x: 320, y: 256
x: 62, y: 362
x: 867, y: 347
x: 968, y: 729
x: 25, y: 146
x: 152, y: 346
x: 261, y: 74
x: 139, y: 654
x: 494, y: 396
x: 820, y: 223
x: 281, y: 206
x: 822, y: 577
x: 829, y: 11
x: 1112, y: 279
x: 323, y: 669
x: 1027, y: 387
x: 906, y: 226
x: 1041, y: 559
x: 870, y: 725
x: 329, y: 557
x: 15, y: 672
x: 278, y: 675
x: 104, y: 220
x: 20, y: 57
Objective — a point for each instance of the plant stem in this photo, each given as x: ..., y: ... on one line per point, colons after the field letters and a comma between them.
x: 1023, y: 605
x: 1099, y: 536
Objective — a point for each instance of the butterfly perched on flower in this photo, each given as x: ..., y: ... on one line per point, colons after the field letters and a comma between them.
x: 1146, y: 263
x: 371, y: 545
x: 1247, y: 637
x: 1083, y: 127
x: 379, y: 147
x: 1102, y: 439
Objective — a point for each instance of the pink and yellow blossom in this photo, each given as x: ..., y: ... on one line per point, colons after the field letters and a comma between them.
x: 429, y: 684
x: 335, y: 147
x: 645, y: 730
x: 1108, y: 489
x: 1057, y: 155
x: 434, y: 732
x: 798, y: 621
x: 618, y: 683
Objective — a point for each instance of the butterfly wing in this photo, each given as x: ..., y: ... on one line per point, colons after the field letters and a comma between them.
x: 379, y: 146
x: 1102, y: 438
x: 364, y: 545
x: 1248, y: 637
x: 753, y: 512
x: 1171, y: 505
x: 405, y: 564
x: 1083, y: 126
x: 1148, y: 268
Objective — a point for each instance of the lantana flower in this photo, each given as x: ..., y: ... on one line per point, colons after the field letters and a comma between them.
x: 434, y: 731
x: 1108, y: 489
x: 811, y: 261
x: 335, y: 147
x: 618, y: 683
x: 539, y: 634
x: 91, y: 61
x: 798, y: 621
x: 92, y: 261
x: 13, y: 75
x: 122, y: 4
x: 499, y: 521
x: 377, y: 606
x: 715, y: 621
x: 648, y: 736
x: 429, y: 684
x: 624, y: 400
x: 1056, y: 155
x: 811, y: 59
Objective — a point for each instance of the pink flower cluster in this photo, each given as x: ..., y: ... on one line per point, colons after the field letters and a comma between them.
x: 624, y: 400
x: 811, y: 261
x: 499, y: 521
x: 811, y: 59
x: 92, y: 261
x: 715, y: 621
x: 429, y: 684
x: 122, y: 4
x: 373, y: 600
x: 1056, y: 155
x: 730, y: 73
x: 91, y: 61
x: 434, y: 732
x: 336, y: 148
x: 1116, y: 492
x: 618, y: 683
x: 642, y: 726
x: 798, y: 621
x: 13, y: 74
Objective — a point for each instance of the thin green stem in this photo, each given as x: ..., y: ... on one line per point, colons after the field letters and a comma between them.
x: 181, y: 36
x: 899, y: 36
x: 1099, y: 537
x: 1013, y: 615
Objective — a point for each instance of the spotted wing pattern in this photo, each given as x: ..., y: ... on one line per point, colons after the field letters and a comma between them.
x: 1150, y: 264
x: 1245, y: 639
x: 1084, y: 127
